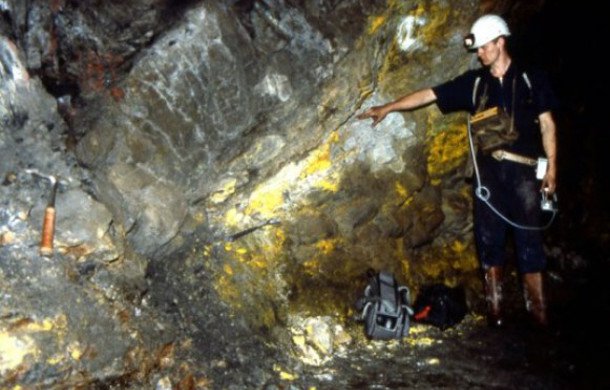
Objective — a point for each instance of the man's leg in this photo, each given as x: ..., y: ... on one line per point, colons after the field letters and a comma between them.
x: 530, y: 252
x: 493, y: 296
x: 535, y: 301
x: 532, y: 262
x: 490, y: 236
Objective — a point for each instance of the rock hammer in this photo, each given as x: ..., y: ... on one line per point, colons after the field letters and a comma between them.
x: 48, y: 224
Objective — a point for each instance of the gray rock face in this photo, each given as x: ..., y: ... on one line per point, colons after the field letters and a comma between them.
x: 49, y: 310
x: 187, y: 100
x: 207, y: 103
x: 220, y: 185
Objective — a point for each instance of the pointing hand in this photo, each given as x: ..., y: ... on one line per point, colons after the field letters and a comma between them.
x: 377, y: 113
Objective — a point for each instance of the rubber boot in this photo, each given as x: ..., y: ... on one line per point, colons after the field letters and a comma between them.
x: 535, y: 302
x: 493, y: 295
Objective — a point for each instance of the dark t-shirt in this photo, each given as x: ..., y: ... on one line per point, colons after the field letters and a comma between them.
x: 533, y: 96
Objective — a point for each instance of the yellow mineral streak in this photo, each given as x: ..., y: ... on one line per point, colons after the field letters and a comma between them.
x: 257, y: 261
x: 14, y: 349
x: 227, y: 189
x: 233, y: 217
x: 421, y: 341
x: 228, y: 270
x: 228, y: 290
x: 267, y: 200
x: 55, y: 359
x: 436, y: 22
x: 286, y: 376
x: 331, y: 184
x: 326, y: 246
x: 248, y: 273
x: 401, y: 191
x: 17, y: 343
x: 375, y: 23
x: 319, y: 160
x: 75, y: 350
x: 448, y: 148
x: 447, y: 262
x: 405, y: 263
x: 311, y: 266
x: 43, y: 326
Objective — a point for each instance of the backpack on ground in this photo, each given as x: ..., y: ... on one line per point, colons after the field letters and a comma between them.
x: 384, y: 308
x: 440, y: 306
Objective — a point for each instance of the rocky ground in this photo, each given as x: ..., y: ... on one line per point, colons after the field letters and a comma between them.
x: 469, y: 355
x: 474, y: 356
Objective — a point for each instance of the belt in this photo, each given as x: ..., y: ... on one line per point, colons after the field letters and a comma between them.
x: 504, y: 155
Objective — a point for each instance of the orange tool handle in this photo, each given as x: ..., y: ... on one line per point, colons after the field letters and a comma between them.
x: 48, y: 232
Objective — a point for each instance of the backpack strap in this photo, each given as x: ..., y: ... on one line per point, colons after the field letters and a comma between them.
x: 527, y: 80
x: 475, y: 90
x: 477, y: 81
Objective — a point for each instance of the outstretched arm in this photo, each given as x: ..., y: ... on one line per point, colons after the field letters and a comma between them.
x: 409, y: 102
x: 549, y: 142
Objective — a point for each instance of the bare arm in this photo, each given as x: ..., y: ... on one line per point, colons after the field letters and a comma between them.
x: 549, y: 142
x: 411, y: 101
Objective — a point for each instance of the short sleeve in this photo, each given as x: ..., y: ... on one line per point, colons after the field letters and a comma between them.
x: 544, y: 95
x: 456, y: 94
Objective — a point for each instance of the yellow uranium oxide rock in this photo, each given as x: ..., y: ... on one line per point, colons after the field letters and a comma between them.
x: 18, y: 344
x: 275, y: 198
x: 448, y: 143
x: 449, y: 262
x: 259, y: 257
x: 249, y: 271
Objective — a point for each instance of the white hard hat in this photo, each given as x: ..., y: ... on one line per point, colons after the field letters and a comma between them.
x: 485, y: 29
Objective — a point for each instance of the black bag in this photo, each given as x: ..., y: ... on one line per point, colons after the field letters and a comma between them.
x: 385, y: 308
x: 440, y: 306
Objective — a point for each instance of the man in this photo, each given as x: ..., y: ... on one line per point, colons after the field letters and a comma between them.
x: 508, y: 195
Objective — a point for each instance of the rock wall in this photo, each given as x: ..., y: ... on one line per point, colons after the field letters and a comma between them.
x: 230, y: 125
x: 217, y: 186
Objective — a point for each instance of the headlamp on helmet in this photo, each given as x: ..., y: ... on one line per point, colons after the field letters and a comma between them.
x: 485, y: 29
x: 469, y: 41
